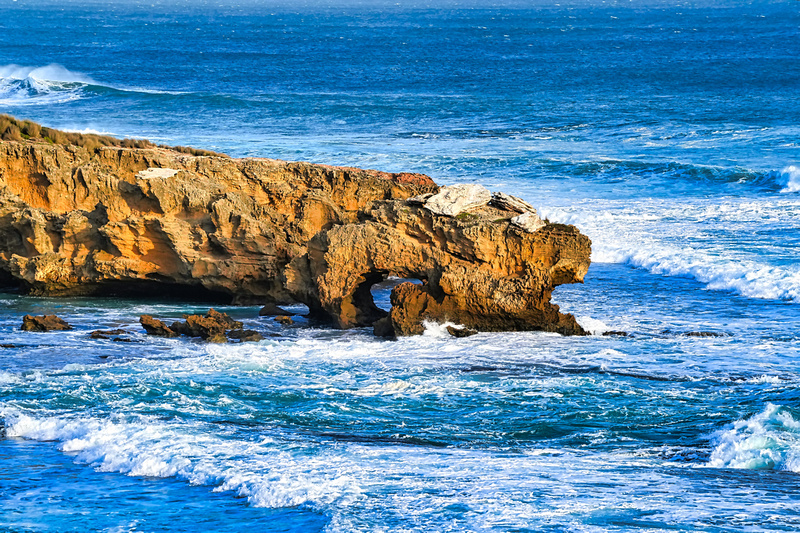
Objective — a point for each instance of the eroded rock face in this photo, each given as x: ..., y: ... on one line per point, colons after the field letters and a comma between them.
x: 271, y: 232
x: 44, y: 323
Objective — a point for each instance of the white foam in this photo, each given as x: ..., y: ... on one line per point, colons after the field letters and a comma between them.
x: 51, y: 84
x: 437, y: 329
x: 592, y: 325
x: 52, y: 72
x: 670, y: 239
x: 262, y: 471
x: 767, y: 440
x: 789, y: 178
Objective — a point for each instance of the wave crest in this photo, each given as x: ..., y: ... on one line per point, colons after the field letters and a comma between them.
x: 51, y: 84
x: 769, y: 440
x: 789, y: 179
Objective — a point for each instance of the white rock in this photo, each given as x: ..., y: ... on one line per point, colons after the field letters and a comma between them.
x: 528, y: 221
x: 156, y: 173
x: 511, y: 203
x: 455, y: 199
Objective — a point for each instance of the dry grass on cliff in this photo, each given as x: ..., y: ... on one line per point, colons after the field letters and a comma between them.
x: 12, y: 129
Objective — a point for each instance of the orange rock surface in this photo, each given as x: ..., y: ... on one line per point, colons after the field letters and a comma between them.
x: 111, y: 220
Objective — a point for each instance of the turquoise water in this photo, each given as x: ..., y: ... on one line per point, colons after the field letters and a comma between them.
x: 668, y: 134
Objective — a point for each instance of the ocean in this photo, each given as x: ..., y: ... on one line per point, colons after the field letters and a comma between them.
x: 668, y: 132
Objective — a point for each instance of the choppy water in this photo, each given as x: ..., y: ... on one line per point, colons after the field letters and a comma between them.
x: 667, y: 133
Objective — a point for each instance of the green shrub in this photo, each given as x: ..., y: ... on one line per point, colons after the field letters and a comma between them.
x: 12, y: 129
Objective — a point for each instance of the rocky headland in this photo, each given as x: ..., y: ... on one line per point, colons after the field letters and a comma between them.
x: 95, y: 220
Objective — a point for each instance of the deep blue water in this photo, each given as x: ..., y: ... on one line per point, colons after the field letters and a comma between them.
x: 669, y: 133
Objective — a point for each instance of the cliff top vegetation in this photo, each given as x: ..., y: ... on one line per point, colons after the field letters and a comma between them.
x: 12, y: 129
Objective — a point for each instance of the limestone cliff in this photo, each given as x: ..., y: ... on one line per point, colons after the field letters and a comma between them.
x: 111, y: 219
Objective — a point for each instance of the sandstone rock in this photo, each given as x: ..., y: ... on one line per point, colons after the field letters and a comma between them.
x: 44, y: 323
x: 76, y: 222
x: 455, y: 199
x: 212, y: 324
x: 153, y: 326
x: 461, y: 332
x: 529, y: 221
x: 511, y: 203
x: 284, y: 320
x: 488, y: 276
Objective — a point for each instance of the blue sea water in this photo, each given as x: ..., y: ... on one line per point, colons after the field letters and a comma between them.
x: 669, y: 132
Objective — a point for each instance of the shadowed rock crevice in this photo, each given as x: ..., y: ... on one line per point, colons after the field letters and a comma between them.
x: 155, y: 222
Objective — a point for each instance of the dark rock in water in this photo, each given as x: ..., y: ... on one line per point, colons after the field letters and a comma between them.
x: 274, y: 310
x: 8, y: 346
x: 211, y: 328
x: 122, y: 339
x: 384, y: 328
x: 704, y: 334
x: 246, y: 335
x: 284, y: 320
x: 212, y: 324
x: 153, y: 326
x: 461, y: 332
x: 44, y: 323
x: 615, y: 334
x: 106, y: 333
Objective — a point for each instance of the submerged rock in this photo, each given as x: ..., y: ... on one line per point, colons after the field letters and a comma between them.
x: 461, y: 332
x: 274, y: 310
x: 245, y: 335
x: 109, y: 220
x: 615, y: 334
x: 106, y: 333
x: 44, y: 323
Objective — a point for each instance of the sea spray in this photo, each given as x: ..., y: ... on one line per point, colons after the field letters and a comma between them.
x: 789, y: 178
x: 767, y: 440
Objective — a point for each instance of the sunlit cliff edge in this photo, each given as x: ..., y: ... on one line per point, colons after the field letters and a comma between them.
x: 83, y: 217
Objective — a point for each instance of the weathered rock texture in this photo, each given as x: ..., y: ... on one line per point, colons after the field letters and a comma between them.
x: 44, y: 323
x: 112, y: 220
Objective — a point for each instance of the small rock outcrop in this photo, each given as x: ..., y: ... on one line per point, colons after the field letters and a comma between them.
x: 453, y: 200
x: 212, y: 327
x: 461, y: 332
x: 44, y: 323
x: 112, y: 220
x: 153, y: 326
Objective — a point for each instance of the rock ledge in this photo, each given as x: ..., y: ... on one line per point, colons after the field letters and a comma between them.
x: 115, y: 220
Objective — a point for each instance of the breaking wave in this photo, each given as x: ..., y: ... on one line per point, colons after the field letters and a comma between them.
x: 51, y: 84
x: 769, y: 440
x: 789, y: 179
x: 54, y: 84
x: 261, y: 471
